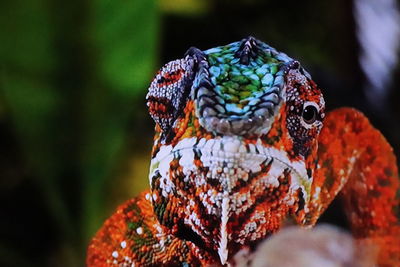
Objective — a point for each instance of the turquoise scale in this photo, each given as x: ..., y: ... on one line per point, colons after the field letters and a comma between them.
x: 241, y: 86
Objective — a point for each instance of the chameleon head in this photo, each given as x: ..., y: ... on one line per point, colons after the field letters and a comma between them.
x: 235, y: 142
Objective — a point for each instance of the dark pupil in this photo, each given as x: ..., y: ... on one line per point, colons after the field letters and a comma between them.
x: 309, y: 114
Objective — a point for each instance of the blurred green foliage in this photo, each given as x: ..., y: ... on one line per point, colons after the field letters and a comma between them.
x: 71, y: 72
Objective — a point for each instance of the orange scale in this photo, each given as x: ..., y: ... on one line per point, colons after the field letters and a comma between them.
x: 129, y: 214
x: 198, y: 162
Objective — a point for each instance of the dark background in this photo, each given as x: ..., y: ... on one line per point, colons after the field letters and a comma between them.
x: 75, y: 135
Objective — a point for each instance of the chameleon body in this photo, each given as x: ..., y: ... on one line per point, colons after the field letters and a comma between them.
x: 242, y: 147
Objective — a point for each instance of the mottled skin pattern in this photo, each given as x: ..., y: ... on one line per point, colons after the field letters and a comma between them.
x: 242, y: 148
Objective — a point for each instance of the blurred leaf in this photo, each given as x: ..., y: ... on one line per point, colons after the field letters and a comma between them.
x: 26, y: 36
x: 32, y: 102
x: 68, y: 83
x: 27, y: 60
x: 123, y: 37
x: 185, y: 7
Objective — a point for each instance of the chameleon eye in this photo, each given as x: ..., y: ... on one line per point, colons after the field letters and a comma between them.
x: 169, y: 91
x: 309, y: 114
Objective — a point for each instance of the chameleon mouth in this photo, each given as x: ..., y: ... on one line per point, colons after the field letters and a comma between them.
x: 239, y: 99
x: 231, y: 181
x: 223, y: 149
x: 228, y: 160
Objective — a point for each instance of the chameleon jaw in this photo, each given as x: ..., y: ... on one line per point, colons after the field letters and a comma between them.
x: 238, y: 176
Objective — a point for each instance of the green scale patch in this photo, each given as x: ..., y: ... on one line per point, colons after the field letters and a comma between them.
x: 241, y: 86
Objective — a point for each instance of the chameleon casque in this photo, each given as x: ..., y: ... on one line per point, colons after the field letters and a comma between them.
x: 242, y: 147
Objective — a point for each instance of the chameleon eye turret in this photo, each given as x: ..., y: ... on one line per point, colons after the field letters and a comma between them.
x: 169, y: 91
x: 242, y: 146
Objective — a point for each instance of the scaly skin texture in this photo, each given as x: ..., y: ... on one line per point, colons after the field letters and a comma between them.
x: 242, y: 148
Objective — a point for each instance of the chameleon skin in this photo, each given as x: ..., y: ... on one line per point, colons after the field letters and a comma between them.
x: 242, y: 147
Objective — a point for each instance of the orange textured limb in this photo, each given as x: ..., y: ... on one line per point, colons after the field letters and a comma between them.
x: 133, y: 237
x: 355, y: 159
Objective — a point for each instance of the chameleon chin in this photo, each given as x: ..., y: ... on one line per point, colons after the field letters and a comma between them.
x: 242, y: 145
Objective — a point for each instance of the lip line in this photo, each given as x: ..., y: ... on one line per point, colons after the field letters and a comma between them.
x: 246, y: 153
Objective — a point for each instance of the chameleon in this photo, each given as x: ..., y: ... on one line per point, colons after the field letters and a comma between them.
x: 243, y: 147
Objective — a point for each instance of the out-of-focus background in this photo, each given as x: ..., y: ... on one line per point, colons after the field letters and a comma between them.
x: 75, y: 135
